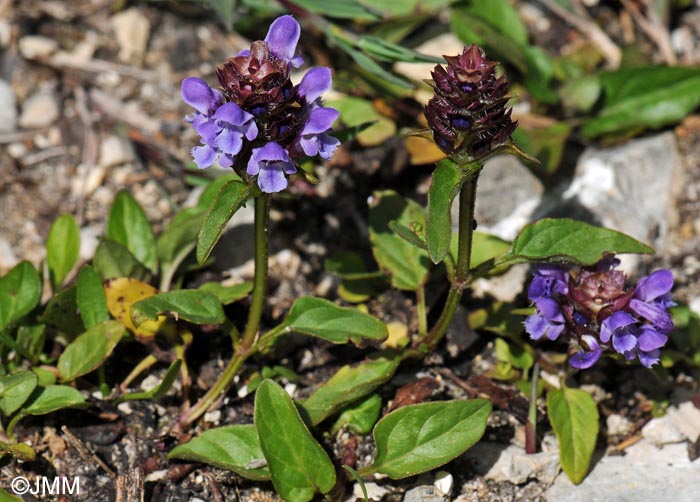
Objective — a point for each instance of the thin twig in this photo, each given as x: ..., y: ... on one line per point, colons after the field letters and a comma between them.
x: 610, y: 51
x: 86, y: 453
x: 652, y: 26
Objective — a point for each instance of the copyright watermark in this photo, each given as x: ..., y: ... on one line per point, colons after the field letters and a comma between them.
x: 41, y: 486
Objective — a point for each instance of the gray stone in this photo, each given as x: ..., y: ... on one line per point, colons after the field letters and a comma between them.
x: 662, y: 431
x: 508, y: 195
x: 686, y: 418
x: 374, y: 492
x: 39, y: 110
x: 114, y: 151
x: 618, y: 425
x: 423, y: 493
x: 513, y: 464
x: 645, y: 473
x: 630, y: 188
x: 8, y: 107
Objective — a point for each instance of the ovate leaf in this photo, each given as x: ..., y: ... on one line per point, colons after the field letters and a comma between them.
x: 127, y: 224
x: 62, y: 248
x: 90, y: 297
x: 572, y: 241
x: 298, y: 464
x: 53, y: 398
x: 420, y: 437
x: 20, y: 291
x: 192, y: 305
x: 349, y: 384
x: 574, y: 418
x: 323, y: 319
x: 16, y: 389
x: 233, y: 447
x: 448, y: 179
x: 121, y: 294
x: 228, y: 294
x: 407, y: 264
x: 361, y: 417
x: 114, y: 260
x: 230, y: 198
x: 87, y: 352
x: 62, y: 312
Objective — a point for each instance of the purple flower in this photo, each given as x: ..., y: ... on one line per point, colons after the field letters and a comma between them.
x: 270, y: 163
x: 261, y: 119
x: 584, y: 359
x: 652, y: 298
x: 621, y: 328
x: 548, y: 281
x: 548, y: 320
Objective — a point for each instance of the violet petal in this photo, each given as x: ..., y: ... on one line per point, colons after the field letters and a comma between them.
x: 655, y: 285
x: 283, y: 36
x: 315, y: 82
x: 197, y: 93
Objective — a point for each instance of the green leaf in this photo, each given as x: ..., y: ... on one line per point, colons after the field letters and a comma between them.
x: 16, y: 389
x: 53, y: 398
x: 574, y: 418
x: 62, y: 312
x: 340, y: 9
x: 422, y: 437
x: 230, y: 198
x: 543, y: 143
x: 448, y: 179
x: 87, y: 352
x: 159, y: 390
x: 62, y: 248
x: 179, y: 239
x: 392, y: 53
x: 233, y: 447
x: 31, y: 338
x: 113, y: 260
x: 355, y: 112
x: 514, y: 355
x: 407, y: 264
x: 349, y: 384
x: 484, y: 248
x: 198, y: 307
x: 571, y: 241
x: 644, y: 97
x: 127, y: 224
x: 361, y: 417
x: 90, y: 297
x: 20, y: 291
x: 8, y: 497
x: 224, y: 8
x: 323, y: 319
x: 228, y: 294
x: 298, y: 464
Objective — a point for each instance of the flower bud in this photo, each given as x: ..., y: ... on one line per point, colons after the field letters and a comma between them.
x: 468, y: 113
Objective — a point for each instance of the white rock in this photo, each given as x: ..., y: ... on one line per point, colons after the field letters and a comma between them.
x: 499, y: 215
x: 624, y: 189
x: 512, y: 464
x: 7, y: 256
x: 374, y: 491
x: 131, y: 28
x: 446, y: 44
x: 8, y: 107
x: 16, y: 150
x: 39, y: 110
x: 444, y: 482
x: 37, y: 46
x: 423, y: 493
x: 113, y: 151
x: 125, y: 408
x: 149, y: 383
x: 504, y: 288
x: 645, y: 473
x: 686, y: 417
x: 618, y: 425
x: 662, y: 431
x: 212, y: 417
x: 89, y: 240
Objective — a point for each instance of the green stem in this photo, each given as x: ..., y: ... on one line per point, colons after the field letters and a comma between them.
x: 531, y: 426
x: 461, y: 278
x: 421, y: 312
x: 246, y: 347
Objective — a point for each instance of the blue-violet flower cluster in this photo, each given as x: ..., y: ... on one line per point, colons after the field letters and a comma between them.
x: 259, y: 119
x: 593, y: 307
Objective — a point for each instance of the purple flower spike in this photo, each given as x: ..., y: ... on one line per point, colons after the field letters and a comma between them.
x: 235, y: 124
x: 282, y: 38
x: 548, y: 320
x: 654, y: 286
x: 270, y: 163
x: 584, y: 359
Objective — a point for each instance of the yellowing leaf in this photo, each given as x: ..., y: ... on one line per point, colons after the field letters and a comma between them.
x: 398, y: 335
x: 121, y: 294
x: 423, y: 150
